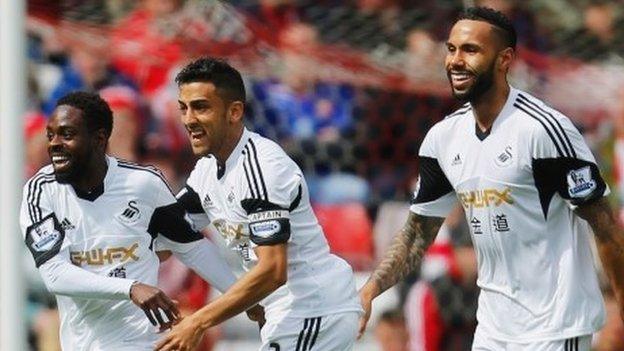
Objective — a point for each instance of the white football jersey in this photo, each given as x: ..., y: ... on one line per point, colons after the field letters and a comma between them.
x: 104, y: 240
x: 518, y: 184
x: 261, y: 198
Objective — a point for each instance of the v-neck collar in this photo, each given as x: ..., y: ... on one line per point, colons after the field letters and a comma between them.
x: 502, y: 115
x: 232, y: 159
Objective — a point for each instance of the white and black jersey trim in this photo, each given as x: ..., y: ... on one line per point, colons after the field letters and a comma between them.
x: 462, y: 110
x: 33, y: 197
x: 309, y: 333
x: 147, y: 168
x: 253, y: 173
x: 571, y: 344
x: 549, y: 122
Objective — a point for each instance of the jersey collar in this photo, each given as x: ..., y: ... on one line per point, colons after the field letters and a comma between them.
x: 233, y: 158
x: 505, y: 112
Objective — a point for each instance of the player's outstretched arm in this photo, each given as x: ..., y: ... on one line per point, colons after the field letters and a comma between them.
x: 61, y: 277
x: 203, y: 257
x: 403, y: 257
x: 610, y: 242
x: 265, y: 277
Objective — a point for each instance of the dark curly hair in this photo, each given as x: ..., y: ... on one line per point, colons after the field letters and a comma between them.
x: 225, y: 78
x: 502, y: 25
x: 95, y: 111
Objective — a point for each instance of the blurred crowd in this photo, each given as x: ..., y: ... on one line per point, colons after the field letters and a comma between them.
x: 349, y: 88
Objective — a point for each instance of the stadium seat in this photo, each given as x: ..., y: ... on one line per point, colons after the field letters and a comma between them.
x: 348, y: 230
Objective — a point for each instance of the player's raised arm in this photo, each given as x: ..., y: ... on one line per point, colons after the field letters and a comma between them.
x: 403, y: 256
x: 610, y: 242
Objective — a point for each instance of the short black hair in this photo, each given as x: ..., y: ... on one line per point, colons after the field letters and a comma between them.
x: 501, y: 23
x: 225, y: 78
x: 95, y: 111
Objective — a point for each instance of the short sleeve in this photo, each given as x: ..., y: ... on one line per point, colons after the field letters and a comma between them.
x: 275, y: 189
x: 43, y: 234
x: 562, y: 163
x: 169, y: 217
x: 434, y: 195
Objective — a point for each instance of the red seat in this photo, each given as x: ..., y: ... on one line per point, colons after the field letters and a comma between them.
x: 349, y: 231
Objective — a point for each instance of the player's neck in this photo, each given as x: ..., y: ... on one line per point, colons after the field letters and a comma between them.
x: 229, y: 145
x: 489, y: 105
x: 93, y: 175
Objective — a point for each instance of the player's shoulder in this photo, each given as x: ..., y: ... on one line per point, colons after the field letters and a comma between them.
x: 45, y: 171
x: 43, y: 176
x: 204, y: 165
x: 264, y: 150
x: 142, y: 176
x: 537, y: 111
x: 539, y: 120
x: 452, y: 121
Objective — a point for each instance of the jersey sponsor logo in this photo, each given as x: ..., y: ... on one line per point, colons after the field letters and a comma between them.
x: 265, y: 229
x: 67, y: 225
x: 456, y: 160
x: 231, y: 197
x: 505, y: 158
x: 580, y: 182
x: 243, y: 251
x: 99, y: 257
x: 500, y: 223
x: 485, y: 198
x: 131, y: 213
x: 44, y: 235
x: 119, y: 272
x: 475, y: 224
x: 230, y: 231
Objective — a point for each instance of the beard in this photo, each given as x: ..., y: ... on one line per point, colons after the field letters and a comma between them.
x: 66, y: 177
x: 77, y: 168
x: 482, y: 83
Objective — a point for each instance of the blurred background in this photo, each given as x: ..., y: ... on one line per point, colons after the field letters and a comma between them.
x: 348, y: 88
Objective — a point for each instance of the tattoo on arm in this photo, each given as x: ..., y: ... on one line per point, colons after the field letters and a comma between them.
x: 407, y: 250
x: 603, y: 222
x: 609, y: 242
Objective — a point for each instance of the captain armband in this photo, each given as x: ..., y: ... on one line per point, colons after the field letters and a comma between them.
x: 269, y: 227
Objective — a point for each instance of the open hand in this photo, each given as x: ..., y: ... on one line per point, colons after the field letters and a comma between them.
x: 152, y: 300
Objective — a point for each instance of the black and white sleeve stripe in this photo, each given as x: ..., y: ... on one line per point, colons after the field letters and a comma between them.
x: 253, y: 173
x: 550, y: 123
x: 34, y: 193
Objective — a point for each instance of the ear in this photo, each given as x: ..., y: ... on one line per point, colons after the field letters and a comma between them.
x: 505, y: 58
x: 236, y: 110
x: 100, y: 139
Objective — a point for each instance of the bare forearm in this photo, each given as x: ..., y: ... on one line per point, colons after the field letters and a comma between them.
x: 612, y: 256
x: 610, y: 243
x: 245, y: 293
x: 405, y: 253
